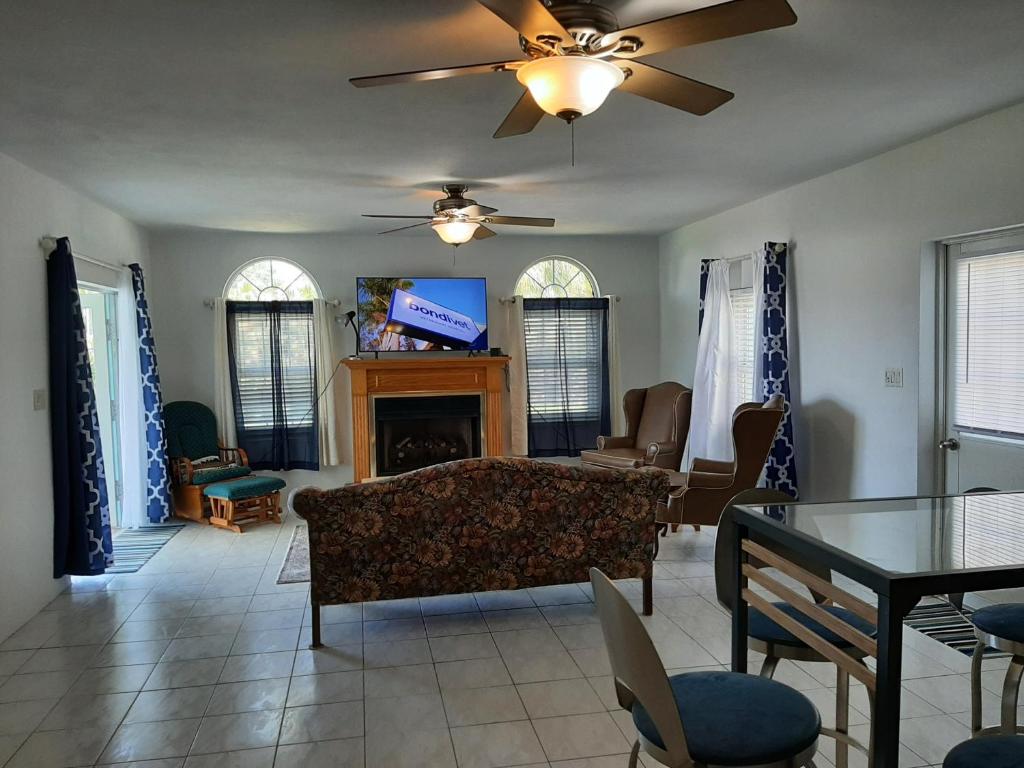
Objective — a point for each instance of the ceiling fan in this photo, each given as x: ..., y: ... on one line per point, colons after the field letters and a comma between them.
x: 578, y: 55
x: 458, y: 219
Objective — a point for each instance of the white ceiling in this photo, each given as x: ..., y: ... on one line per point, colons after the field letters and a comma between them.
x: 237, y: 114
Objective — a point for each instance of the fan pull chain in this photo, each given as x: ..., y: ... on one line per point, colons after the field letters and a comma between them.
x: 572, y: 143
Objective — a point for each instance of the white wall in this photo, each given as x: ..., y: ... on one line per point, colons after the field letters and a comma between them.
x: 857, y: 239
x: 192, y: 265
x: 32, y: 205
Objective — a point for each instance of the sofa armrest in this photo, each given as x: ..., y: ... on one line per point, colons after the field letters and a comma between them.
x: 708, y: 480
x: 716, y: 467
x: 237, y: 455
x: 654, y: 450
x: 181, y: 471
x: 604, y: 442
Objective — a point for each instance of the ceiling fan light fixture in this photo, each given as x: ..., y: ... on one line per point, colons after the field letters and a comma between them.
x: 570, y: 86
x: 455, y: 231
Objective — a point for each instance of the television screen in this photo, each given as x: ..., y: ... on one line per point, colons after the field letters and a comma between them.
x: 399, y: 314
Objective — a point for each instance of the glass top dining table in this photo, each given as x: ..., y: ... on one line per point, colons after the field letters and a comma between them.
x: 901, y: 549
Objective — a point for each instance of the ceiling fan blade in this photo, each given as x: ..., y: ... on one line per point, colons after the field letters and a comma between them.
x: 738, y: 17
x: 521, y: 221
x: 673, y: 90
x: 431, y: 74
x: 522, y: 119
x: 392, y: 216
x: 482, y: 233
x: 476, y: 210
x: 528, y: 17
x: 399, y: 229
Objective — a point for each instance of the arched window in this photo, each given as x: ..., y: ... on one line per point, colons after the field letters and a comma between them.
x: 271, y: 280
x: 557, y: 277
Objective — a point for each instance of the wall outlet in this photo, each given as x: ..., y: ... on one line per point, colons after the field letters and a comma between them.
x: 894, y: 377
x: 38, y: 399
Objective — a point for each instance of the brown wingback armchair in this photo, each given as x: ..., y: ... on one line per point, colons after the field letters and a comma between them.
x: 657, y: 421
x: 709, y: 485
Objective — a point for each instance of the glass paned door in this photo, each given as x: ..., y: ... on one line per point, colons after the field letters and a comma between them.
x: 983, y: 444
x: 99, y: 310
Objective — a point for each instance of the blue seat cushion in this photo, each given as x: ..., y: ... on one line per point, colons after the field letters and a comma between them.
x: 760, y: 627
x: 246, y: 488
x: 1005, y: 620
x: 216, y: 474
x: 734, y: 719
x: 987, y: 752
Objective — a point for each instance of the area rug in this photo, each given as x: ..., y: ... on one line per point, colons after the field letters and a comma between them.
x: 296, y: 563
x: 950, y: 626
x: 133, y: 547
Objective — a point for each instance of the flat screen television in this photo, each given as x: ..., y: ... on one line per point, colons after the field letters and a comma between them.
x: 416, y: 314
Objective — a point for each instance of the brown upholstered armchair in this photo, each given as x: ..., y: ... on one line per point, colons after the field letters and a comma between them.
x: 709, y: 485
x: 657, y: 421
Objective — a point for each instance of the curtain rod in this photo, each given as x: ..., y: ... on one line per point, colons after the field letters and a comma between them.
x: 512, y: 299
x: 209, y: 303
x: 48, y: 243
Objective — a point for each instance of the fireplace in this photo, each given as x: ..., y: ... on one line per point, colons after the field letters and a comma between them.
x: 454, y: 403
x: 418, y: 431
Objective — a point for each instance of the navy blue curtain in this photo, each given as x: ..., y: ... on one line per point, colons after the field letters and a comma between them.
x: 780, y: 470
x: 567, y: 375
x: 81, y: 513
x: 273, y: 382
x: 158, y: 475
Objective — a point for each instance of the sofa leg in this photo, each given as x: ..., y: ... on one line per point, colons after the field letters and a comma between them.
x: 315, y: 607
x: 649, y: 595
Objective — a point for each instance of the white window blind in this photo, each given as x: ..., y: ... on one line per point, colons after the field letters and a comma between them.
x: 989, y: 351
x: 565, y: 360
x: 253, y: 366
x: 742, y: 300
x: 986, y: 531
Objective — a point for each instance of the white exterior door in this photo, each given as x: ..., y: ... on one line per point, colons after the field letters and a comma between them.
x: 983, y: 445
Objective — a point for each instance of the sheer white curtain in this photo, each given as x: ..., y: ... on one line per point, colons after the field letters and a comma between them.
x: 326, y: 360
x: 711, y: 415
x: 223, y: 403
x: 614, y: 368
x: 131, y: 414
x: 515, y: 339
x: 758, y: 286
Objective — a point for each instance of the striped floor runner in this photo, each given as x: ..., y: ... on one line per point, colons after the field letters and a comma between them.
x: 943, y: 622
x: 134, y: 546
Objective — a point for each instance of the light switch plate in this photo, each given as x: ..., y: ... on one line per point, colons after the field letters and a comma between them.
x: 894, y: 377
x: 38, y: 399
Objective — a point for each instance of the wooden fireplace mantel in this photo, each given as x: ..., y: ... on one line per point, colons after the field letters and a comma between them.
x: 415, y: 375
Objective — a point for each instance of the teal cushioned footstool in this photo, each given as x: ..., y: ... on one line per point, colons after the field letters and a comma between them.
x: 246, y: 501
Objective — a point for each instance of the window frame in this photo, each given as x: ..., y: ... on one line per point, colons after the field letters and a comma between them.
x: 238, y: 273
x: 583, y: 268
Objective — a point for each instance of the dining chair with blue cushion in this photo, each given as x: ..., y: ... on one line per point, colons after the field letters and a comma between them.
x: 700, y: 718
x: 987, y: 752
x: 777, y: 643
x: 1001, y: 627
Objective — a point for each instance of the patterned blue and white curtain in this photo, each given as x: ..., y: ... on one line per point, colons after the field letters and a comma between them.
x: 780, y: 470
x: 158, y: 476
x: 81, y: 512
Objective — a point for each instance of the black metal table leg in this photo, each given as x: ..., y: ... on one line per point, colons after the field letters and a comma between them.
x: 885, y: 725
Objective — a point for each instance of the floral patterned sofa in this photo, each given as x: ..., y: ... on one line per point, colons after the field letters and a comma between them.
x: 478, y: 525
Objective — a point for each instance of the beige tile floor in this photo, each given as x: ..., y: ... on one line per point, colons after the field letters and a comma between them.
x: 200, y: 660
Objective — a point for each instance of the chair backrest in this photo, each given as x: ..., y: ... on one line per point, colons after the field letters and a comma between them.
x: 754, y: 427
x: 665, y: 416
x: 191, y: 430
x: 636, y: 666
x: 725, y: 573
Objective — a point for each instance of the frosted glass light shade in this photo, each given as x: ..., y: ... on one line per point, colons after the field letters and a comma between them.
x: 455, y: 232
x: 569, y: 86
